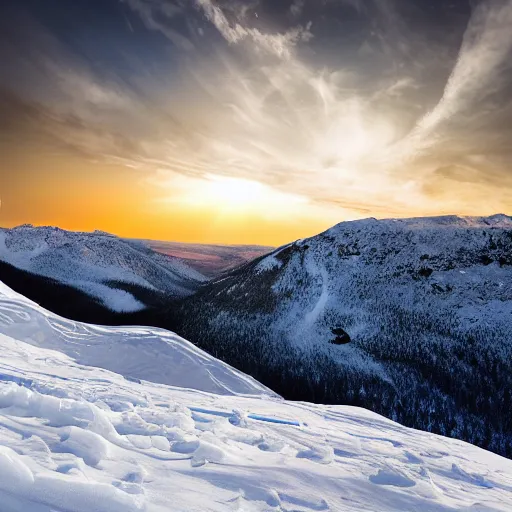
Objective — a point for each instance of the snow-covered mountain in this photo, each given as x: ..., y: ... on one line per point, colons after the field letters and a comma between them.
x: 197, y: 435
x: 411, y: 318
x: 119, y: 273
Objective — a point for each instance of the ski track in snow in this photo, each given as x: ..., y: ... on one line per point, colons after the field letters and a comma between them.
x: 78, y: 438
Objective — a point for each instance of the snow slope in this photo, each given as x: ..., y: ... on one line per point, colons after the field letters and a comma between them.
x: 77, y: 438
x: 138, y: 353
x: 97, y: 263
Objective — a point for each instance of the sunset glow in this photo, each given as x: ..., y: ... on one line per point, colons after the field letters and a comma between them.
x: 256, y: 121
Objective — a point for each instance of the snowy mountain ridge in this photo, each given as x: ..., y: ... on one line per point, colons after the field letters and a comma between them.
x: 99, y: 264
x: 498, y: 220
x: 77, y: 437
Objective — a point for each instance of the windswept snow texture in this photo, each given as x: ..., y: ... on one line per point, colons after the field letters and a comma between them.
x: 97, y: 263
x: 75, y: 438
x: 137, y: 353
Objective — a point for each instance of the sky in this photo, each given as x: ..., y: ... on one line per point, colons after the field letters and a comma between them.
x: 252, y: 121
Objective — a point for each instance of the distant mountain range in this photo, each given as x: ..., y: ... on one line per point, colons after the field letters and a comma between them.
x: 210, y: 260
x: 410, y: 318
x: 122, y: 275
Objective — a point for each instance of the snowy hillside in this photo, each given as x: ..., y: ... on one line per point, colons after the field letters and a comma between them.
x: 411, y: 318
x: 137, y: 353
x: 77, y: 438
x: 98, y: 264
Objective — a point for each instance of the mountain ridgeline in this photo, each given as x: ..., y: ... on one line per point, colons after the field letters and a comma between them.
x: 409, y: 318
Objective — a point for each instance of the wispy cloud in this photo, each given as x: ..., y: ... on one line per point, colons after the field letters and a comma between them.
x: 280, y: 44
x: 485, y: 52
x: 151, y: 14
x: 297, y: 7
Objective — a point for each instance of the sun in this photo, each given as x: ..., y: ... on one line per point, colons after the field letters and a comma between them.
x: 230, y: 195
x: 237, y: 192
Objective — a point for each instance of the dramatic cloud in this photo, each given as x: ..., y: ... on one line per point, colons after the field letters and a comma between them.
x: 361, y: 108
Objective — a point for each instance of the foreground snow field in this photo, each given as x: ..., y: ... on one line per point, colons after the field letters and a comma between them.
x: 78, y: 438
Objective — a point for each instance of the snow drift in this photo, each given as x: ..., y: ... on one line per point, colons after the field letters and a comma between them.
x: 78, y: 438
